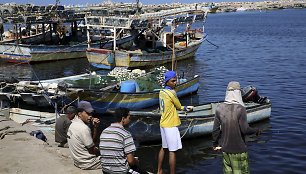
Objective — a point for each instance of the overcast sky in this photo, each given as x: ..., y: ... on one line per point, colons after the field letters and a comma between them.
x: 75, y: 2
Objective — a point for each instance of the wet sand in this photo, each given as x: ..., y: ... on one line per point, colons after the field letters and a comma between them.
x: 23, y: 153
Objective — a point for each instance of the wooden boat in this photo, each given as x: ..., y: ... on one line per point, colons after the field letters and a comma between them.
x: 212, y: 8
x: 102, y: 100
x: 108, y: 59
x: 32, y: 39
x: 40, y: 53
x: 145, y: 124
x: 44, y: 121
x: 153, y: 45
x: 132, y: 90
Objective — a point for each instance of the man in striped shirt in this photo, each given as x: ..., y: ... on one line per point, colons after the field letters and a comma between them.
x: 117, y: 145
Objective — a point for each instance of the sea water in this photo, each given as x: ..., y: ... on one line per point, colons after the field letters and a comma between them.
x: 266, y: 49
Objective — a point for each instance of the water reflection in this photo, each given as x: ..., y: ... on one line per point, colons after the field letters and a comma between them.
x: 197, y: 154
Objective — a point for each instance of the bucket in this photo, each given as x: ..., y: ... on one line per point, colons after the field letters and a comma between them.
x: 129, y: 86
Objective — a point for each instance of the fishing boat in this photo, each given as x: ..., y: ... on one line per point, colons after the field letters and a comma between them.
x: 145, y: 124
x: 134, y: 89
x: 102, y: 100
x: 31, y: 39
x: 153, y: 45
x: 136, y: 57
x: 212, y: 8
x: 39, y: 53
x: 56, y: 41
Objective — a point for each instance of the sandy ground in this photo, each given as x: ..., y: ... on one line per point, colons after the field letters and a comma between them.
x: 23, y: 153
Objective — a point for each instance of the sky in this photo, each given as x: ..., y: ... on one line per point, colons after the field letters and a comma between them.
x: 83, y: 2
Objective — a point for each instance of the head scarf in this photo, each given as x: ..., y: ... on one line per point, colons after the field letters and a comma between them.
x: 233, y: 94
x: 169, y: 75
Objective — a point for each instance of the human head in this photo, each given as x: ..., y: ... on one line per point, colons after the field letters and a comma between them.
x: 71, y: 111
x: 233, y: 93
x: 170, y: 79
x: 121, y: 115
x: 233, y: 85
x: 85, y: 111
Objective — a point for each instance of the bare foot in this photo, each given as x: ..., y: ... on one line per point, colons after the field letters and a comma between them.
x: 160, y: 171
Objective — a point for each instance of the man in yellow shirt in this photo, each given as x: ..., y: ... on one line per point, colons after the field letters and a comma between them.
x: 169, y: 104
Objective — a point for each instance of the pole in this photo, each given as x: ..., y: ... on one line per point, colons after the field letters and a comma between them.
x: 173, y: 51
x: 87, y: 30
x: 115, y: 35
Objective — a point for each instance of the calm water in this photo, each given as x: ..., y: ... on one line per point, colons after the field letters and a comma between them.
x: 263, y: 49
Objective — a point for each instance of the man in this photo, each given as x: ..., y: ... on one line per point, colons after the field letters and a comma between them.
x: 62, y: 124
x: 117, y: 145
x: 169, y: 104
x: 81, y: 143
x: 229, y: 130
x: 1, y: 29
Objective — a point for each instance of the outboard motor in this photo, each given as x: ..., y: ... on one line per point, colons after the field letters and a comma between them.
x: 250, y: 94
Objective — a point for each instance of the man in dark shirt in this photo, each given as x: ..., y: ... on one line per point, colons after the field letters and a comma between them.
x: 62, y: 124
x: 230, y: 128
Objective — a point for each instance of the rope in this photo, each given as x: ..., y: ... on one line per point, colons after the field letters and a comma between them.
x: 45, y: 92
x: 2, y: 135
x: 69, y: 104
x: 160, y: 144
x: 187, y: 129
x: 212, y: 43
x: 5, y: 128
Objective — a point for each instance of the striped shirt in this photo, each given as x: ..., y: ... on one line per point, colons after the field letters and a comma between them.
x: 115, y: 144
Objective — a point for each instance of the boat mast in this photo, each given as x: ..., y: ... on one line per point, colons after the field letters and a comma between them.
x: 173, y: 47
x: 88, y: 35
x: 114, y: 39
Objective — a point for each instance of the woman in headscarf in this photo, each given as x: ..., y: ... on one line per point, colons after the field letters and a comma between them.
x: 229, y: 130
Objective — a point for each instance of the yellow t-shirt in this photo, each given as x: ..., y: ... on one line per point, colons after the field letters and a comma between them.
x: 169, y: 103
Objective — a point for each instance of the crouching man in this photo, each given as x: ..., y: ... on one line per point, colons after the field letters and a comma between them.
x: 117, y: 146
x: 81, y: 143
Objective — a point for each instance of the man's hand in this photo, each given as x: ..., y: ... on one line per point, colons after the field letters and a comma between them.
x: 258, y: 132
x: 95, y: 122
x: 189, y: 108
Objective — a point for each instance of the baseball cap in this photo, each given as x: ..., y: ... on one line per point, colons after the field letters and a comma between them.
x: 86, y: 106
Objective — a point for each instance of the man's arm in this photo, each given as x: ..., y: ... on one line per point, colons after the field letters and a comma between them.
x: 216, y: 133
x: 243, y: 123
x: 93, y: 150
x: 131, y: 159
x: 175, y: 100
x: 95, y: 137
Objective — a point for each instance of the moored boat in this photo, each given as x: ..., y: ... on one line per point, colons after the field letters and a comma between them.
x: 102, y: 100
x: 121, y: 88
x: 40, y: 53
x: 153, y: 45
x: 145, y: 124
x: 108, y: 59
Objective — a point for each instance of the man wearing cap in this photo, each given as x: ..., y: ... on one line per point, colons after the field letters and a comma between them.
x: 62, y: 124
x: 169, y: 121
x: 81, y: 144
x: 229, y: 131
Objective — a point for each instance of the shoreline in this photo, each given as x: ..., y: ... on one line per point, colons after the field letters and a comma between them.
x: 23, y: 153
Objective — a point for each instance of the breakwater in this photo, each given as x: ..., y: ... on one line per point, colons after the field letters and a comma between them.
x: 13, y: 9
